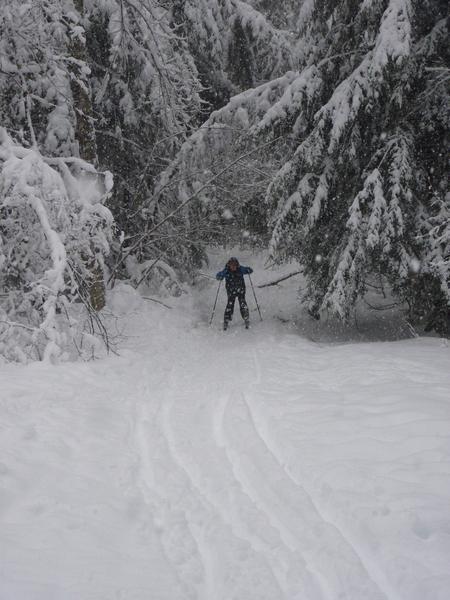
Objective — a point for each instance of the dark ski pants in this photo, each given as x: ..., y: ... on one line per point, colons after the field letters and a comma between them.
x: 230, y: 307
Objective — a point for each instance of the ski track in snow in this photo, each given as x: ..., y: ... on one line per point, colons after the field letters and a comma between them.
x: 234, y: 477
x: 241, y: 466
x: 370, y: 567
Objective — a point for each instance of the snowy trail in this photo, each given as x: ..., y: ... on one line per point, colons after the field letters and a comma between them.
x: 251, y: 465
x: 269, y: 510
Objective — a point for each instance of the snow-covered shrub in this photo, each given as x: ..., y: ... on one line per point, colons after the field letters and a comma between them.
x: 53, y: 230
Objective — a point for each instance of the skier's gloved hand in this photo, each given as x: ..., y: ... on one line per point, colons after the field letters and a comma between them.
x: 219, y: 277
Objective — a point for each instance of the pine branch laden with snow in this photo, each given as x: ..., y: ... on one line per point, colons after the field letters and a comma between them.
x: 237, y: 41
x: 38, y: 73
x: 231, y: 130
x: 146, y: 98
x: 147, y: 70
x: 438, y: 244
x: 224, y: 127
x: 50, y: 224
x: 375, y: 230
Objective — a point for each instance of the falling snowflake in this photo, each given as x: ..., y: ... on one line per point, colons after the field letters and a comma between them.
x: 415, y: 265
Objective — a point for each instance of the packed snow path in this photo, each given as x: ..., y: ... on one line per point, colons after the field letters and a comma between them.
x: 250, y: 465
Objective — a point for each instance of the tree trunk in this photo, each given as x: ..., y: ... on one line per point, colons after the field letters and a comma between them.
x: 84, y: 133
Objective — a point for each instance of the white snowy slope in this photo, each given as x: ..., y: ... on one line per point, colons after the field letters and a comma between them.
x: 246, y: 465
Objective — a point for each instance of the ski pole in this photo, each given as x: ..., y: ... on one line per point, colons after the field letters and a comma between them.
x: 257, y: 305
x: 214, y: 308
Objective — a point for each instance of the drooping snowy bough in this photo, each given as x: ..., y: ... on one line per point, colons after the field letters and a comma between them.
x: 53, y: 228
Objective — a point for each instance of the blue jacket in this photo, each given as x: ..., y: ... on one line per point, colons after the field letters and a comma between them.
x: 234, y: 280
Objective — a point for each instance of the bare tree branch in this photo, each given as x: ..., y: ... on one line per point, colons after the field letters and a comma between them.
x: 280, y: 279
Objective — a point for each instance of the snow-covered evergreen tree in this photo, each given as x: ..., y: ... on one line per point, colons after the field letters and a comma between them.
x: 284, y: 14
x: 234, y: 46
x: 349, y: 202
x: 146, y: 98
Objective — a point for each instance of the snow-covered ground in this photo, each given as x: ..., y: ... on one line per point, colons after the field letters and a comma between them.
x: 216, y: 466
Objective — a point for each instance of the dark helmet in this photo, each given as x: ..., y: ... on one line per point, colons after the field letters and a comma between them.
x: 233, y: 261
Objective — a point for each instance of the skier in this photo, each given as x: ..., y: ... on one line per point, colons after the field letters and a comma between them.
x: 235, y: 286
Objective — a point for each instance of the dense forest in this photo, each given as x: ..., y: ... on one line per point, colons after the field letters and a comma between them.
x: 136, y: 133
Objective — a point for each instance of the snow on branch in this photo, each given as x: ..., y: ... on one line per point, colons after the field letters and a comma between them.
x: 279, y: 279
x: 229, y: 127
x: 392, y: 46
x: 375, y: 227
x: 52, y: 225
x: 219, y: 27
